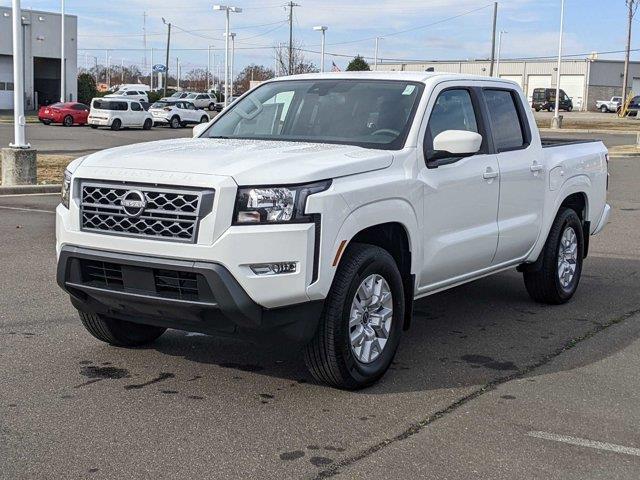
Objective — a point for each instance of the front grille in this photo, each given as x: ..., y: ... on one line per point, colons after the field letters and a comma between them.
x: 169, y: 214
x: 176, y: 284
x: 102, y: 274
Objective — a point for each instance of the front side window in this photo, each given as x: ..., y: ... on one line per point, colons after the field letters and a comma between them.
x: 367, y: 113
x: 506, y: 125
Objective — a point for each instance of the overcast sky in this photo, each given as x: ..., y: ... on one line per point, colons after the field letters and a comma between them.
x: 411, y: 29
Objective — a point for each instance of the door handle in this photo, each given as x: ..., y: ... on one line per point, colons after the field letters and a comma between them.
x: 490, y: 174
x: 536, y: 167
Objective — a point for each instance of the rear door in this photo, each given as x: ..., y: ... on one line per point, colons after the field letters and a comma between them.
x: 460, y: 198
x: 522, y: 175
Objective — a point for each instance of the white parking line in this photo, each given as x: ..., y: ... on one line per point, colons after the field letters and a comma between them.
x: 583, y: 442
x: 27, y: 209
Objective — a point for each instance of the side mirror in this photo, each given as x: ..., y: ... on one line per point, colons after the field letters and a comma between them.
x: 453, y: 145
x: 199, y: 129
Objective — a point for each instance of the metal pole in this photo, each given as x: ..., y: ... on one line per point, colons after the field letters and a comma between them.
x: 151, y: 71
x: 291, y: 5
x: 556, y: 116
x: 19, y: 134
x: 233, y: 54
x: 108, y: 71
x: 493, y: 38
x: 208, y: 66
x: 324, y: 30
x: 122, y: 70
x: 63, y: 73
x: 375, y: 57
x: 630, y: 4
x: 499, y: 52
x: 95, y: 60
x: 178, y: 72
x: 144, y: 42
x: 226, y: 60
x: 166, y: 72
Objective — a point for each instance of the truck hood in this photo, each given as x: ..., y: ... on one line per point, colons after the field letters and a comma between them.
x: 248, y: 162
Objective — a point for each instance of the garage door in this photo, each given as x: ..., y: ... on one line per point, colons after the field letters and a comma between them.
x: 513, y: 78
x: 573, y: 86
x: 6, y: 95
x: 635, y: 86
x: 537, y: 81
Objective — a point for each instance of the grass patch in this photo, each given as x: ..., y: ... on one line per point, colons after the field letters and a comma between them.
x: 51, y: 167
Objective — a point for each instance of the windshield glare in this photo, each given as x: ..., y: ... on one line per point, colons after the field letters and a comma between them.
x: 161, y: 104
x: 368, y: 113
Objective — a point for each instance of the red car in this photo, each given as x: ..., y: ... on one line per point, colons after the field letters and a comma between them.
x: 66, y: 113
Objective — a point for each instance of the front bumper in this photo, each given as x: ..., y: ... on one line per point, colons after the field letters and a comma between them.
x: 186, y: 295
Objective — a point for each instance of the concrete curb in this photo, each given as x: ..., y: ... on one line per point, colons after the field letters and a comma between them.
x: 30, y: 189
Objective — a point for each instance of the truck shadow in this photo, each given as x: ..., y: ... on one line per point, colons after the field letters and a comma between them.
x: 464, y: 337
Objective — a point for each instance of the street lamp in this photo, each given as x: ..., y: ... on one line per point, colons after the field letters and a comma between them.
x: 233, y: 56
x: 556, y: 117
x: 502, y: 32
x: 226, y: 9
x: 209, y: 67
x: 323, y: 29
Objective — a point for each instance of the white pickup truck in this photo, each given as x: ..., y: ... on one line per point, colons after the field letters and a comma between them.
x: 316, y: 208
x: 606, y: 106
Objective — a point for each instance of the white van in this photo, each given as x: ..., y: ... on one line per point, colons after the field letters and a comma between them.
x: 117, y: 113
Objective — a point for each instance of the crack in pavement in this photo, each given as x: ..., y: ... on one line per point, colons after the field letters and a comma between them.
x: 417, y: 427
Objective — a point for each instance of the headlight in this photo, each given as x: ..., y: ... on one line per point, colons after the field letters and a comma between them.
x: 66, y: 188
x: 255, y: 205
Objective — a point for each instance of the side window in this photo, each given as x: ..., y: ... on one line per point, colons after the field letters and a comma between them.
x: 130, y: 92
x: 453, y: 110
x: 201, y: 97
x: 506, y: 124
x: 136, y: 107
x: 123, y: 106
x: 191, y: 106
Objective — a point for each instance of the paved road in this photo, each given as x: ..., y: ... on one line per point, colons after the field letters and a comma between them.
x: 56, y: 139
x: 197, y: 407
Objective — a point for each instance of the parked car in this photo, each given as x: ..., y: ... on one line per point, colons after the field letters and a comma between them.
x: 545, y: 99
x: 606, y: 106
x: 138, y: 95
x: 315, y: 209
x: 134, y: 86
x: 117, y: 113
x: 219, y: 106
x: 177, y: 114
x: 202, y: 100
x: 175, y: 96
x: 67, y: 113
x: 632, y: 107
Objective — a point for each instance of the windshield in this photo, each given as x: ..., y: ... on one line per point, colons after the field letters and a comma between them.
x: 192, y: 95
x: 176, y: 95
x: 367, y: 113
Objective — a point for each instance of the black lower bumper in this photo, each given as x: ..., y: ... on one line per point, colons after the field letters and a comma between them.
x: 194, y: 296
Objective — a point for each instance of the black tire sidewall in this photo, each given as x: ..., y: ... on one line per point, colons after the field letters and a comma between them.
x: 364, y: 374
x: 147, y: 124
x: 116, y: 124
x: 65, y: 121
x: 174, y: 122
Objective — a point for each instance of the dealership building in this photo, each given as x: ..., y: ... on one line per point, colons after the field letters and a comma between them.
x: 41, y: 32
x: 584, y: 80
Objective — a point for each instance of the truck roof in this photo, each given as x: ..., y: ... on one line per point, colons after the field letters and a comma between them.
x: 393, y: 75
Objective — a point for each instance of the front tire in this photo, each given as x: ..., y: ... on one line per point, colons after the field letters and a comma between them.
x: 557, y: 279
x: 148, y: 123
x: 174, y: 122
x: 119, y: 332
x: 362, y: 320
x: 204, y: 119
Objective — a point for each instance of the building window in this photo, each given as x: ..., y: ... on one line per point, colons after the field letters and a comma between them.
x: 2, y: 86
x: 10, y: 86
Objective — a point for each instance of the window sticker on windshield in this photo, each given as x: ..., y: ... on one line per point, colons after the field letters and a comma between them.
x: 409, y: 90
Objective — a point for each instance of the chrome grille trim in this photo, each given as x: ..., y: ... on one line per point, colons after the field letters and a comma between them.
x: 171, y: 213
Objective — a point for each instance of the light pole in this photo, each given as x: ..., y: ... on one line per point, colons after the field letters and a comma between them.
x: 233, y: 56
x: 323, y: 29
x: 556, y: 117
x: 226, y: 9
x: 209, y: 67
x: 166, y: 64
x: 502, y: 32
x: 63, y: 72
x: 375, y: 57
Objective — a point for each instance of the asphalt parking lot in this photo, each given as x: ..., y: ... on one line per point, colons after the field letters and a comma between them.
x: 487, y: 384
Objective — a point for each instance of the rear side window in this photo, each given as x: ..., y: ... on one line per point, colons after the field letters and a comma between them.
x: 136, y: 107
x: 109, y: 105
x: 506, y: 124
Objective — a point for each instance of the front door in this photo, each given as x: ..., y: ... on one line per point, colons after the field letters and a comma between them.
x: 460, y: 198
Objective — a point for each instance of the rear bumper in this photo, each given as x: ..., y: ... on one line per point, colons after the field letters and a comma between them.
x: 220, y: 306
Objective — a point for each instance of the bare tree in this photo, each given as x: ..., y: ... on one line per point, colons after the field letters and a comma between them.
x: 301, y: 64
x: 251, y: 72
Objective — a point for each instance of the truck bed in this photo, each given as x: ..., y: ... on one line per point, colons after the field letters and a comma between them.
x: 548, y: 142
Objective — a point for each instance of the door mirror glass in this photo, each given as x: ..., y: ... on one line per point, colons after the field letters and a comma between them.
x: 456, y: 143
